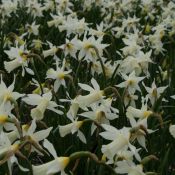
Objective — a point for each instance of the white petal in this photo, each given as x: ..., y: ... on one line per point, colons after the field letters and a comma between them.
x: 29, y: 71
x: 81, y: 136
x: 32, y: 127
x: 95, y: 84
x: 41, y: 135
x: 172, y: 130
x: 85, y: 87
x: 48, y: 145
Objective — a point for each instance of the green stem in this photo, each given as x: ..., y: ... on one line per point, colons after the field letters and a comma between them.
x: 27, y: 160
x: 78, y: 68
x: 147, y: 159
x: 115, y: 71
x: 117, y: 94
x: 92, y: 156
x: 72, y: 82
x: 34, y: 55
x: 101, y: 62
x: 37, y: 75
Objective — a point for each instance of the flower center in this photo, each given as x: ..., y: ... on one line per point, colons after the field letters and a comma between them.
x: 61, y: 75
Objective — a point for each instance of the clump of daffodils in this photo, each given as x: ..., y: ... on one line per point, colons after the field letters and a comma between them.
x: 87, y: 81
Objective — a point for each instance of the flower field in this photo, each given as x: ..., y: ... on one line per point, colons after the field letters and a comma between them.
x: 87, y: 87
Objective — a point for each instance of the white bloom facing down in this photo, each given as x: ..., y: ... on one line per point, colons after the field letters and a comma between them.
x: 72, y: 128
x: 128, y: 167
x: 95, y: 94
x: 43, y: 102
x: 18, y: 56
x: 120, y: 140
x: 137, y: 113
x: 52, y: 167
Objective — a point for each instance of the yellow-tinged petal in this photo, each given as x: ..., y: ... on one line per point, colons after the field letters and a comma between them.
x: 147, y: 113
x: 3, y: 118
x: 61, y: 75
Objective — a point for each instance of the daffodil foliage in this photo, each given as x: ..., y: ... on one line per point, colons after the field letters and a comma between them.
x: 87, y: 87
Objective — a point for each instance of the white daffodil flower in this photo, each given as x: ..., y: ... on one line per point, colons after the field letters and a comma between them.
x: 73, y: 25
x: 131, y: 48
x: 141, y: 133
x: 30, y: 131
x: 130, y: 23
x: 126, y: 154
x: 7, y: 94
x: 131, y: 82
x: 137, y: 113
x: 8, y: 149
x: 138, y: 63
x: 5, y: 114
x: 19, y: 59
x: 34, y: 8
x: 99, y: 32
x: 95, y: 95
x: 74, y: 107
x: 86, y: 48
x: 54, y: 166
x: 56, y: 19
x: 50, y: 52
x: 72, y: 128
x: 129, y: 99
x: 154, y: 92
x: 36, y: 136
x: 120, y: 140
x: 58, y: 75
x: 42, y: 102
x: 101, y: 113
x: 70, y: 47
x: 32, y: 29
x: 128, y: 167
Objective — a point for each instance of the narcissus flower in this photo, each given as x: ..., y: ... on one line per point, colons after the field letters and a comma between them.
x: 18, y: 55
x: 7, y: 94
x: 101, y: 113
x: 154, y: 92
x: 42, y: 102
x: 95, y: 94
x: 72, y: 128
x: 58, y: 75
x: 32, y: 29
x: 54, y: 166
x: 8, y: 151
x: 86, y: 48
x: 120, y: 140
x: 131, y: 82
x: 50, y: 52
x: 128, y: 167
x: 5, y: 114
x: 137, y: 113
x: 70, y: 47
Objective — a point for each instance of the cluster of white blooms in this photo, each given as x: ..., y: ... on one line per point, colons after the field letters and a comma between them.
x: 100, y: 72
